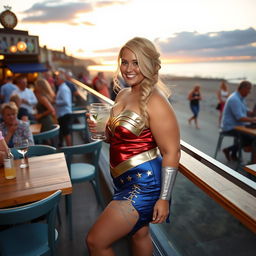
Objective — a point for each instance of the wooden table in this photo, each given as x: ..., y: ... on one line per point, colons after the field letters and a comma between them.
x: 252, y: 133
x: 246, y: 130
x: 251, y: 168
x: 45, y: 175
x: 35, y: 128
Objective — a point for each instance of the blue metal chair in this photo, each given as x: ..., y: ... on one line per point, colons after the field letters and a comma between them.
x: 222, y: 134
x: 82, y: 171
x: 79, y: 122
x: 36, y: 238
x: 35, y: 150
x: 41, y: 137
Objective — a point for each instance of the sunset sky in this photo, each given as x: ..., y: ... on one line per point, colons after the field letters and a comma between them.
x: 183, y: 30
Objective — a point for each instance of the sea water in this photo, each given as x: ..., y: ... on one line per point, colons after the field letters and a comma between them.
x: 231, y: 71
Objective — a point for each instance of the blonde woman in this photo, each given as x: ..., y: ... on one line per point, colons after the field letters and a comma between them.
x: 13, y: 129
x: 144, y: 153
x: 45, y: 111
x: 222, y: 95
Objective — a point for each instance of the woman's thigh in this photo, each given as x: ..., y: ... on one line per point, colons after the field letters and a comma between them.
x: 116, y: 221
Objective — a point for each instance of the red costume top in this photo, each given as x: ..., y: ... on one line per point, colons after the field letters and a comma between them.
x: 128, y: 137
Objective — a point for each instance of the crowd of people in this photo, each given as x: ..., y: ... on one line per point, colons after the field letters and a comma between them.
x: 47, y: 103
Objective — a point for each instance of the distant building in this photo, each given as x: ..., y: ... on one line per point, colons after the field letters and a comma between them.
x: 21, y: 53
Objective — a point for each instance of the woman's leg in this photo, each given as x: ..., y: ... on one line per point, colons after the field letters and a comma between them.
x: 141, y: 243
x: 116, y: 221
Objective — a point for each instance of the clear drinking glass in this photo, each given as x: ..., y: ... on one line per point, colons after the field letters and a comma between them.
x: 22, y: 148
x: 99, y: 113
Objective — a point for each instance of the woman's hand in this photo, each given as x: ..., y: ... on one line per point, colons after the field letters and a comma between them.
x: 161, y: 211
x: 91, y: 123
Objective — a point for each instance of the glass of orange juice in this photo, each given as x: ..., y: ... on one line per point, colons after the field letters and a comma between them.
x: 9, y: 168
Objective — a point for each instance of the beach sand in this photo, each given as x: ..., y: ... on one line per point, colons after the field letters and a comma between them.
x: 205, y: 138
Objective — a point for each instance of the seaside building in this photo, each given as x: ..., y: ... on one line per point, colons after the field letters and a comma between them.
x: 21, y: 53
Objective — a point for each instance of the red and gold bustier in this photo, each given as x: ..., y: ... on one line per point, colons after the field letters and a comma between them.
x: 131, y: 143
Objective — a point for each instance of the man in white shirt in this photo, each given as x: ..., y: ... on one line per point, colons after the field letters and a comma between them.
x: 28, y: 98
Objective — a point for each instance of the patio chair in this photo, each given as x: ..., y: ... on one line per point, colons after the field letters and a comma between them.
x: 35, y: 150
x: 79, y: 123
x: 29, y: 238
x: 42, y: 137
x: 82, y: 171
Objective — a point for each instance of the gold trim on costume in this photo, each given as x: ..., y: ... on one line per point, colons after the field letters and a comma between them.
x: 134, y: 161
x: 129, y: 120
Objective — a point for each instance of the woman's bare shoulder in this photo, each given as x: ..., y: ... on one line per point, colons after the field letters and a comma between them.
x: 122, y: 93
x: 157, y: 96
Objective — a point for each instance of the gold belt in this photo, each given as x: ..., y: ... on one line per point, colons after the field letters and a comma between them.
x: 134, y: 161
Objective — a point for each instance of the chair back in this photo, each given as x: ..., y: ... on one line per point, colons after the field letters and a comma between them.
x: 45, y: 207
x: 24, y: 213
x: 35, y: 150
x: 42, y: 136
x: 92, y: 148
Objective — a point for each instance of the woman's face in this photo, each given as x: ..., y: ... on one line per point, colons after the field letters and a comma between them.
x: 130, y: 69
x: 9, y: 116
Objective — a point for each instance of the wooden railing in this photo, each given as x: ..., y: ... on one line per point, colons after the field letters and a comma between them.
x: 233, y: 191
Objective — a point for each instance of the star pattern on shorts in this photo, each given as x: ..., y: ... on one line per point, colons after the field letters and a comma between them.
x: 129, y: 178
x: 149, y: 173
x: 139, y: 175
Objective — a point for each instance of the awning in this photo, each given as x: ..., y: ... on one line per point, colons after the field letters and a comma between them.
x: 27, y: 67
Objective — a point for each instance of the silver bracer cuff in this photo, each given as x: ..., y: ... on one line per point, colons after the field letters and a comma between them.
x: 168, y: 179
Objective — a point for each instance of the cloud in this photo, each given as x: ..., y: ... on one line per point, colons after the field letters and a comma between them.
x: 212, y: 44
x: 55, y: 11
x: 109, y: 3
x: 58, y: 11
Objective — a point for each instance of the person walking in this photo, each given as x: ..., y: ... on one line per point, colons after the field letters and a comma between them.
x: 144, y: 153
x: 194, y: 98
x: 222, y: 95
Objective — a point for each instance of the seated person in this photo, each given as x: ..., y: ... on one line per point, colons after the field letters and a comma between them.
x: 12, y: 128
x: 236, y: 114
x: 22, y: 112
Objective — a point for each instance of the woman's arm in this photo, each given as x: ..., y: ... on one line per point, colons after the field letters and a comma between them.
x: 165, y: 129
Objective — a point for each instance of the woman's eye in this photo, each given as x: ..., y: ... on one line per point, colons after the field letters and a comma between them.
x: 135, y: 63
x: 123, y: 62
